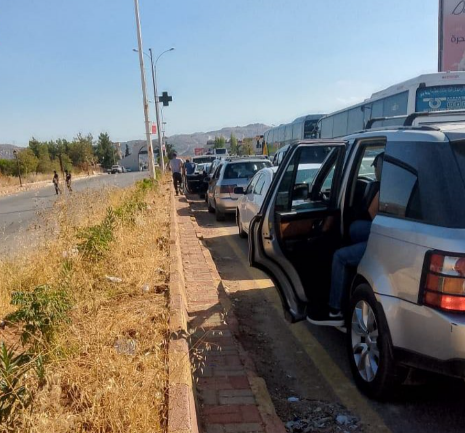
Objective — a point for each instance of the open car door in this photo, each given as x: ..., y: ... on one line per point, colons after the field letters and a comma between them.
x: 298, y: 228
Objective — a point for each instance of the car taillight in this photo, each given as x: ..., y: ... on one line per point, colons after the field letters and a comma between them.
x: 443, y: 282
x: 227, y: 189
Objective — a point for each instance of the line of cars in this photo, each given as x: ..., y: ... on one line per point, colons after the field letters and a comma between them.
x: 404, y: 307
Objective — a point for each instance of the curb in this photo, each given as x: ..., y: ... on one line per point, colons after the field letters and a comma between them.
x: 182, y: 415
x: 272, y: 422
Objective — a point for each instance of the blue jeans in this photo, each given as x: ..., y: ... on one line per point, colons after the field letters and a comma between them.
x: 345, y: 258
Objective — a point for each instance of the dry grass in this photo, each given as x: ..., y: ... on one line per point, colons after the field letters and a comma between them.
x: 107, y: 370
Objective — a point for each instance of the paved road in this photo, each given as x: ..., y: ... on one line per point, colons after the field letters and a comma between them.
x: 18, y: 212
x: 310, y: 362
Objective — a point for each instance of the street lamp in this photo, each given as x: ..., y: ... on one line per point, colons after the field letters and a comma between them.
x: 15, y: 153
x: 155, y: 92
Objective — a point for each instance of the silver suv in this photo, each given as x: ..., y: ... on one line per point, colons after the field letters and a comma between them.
x: 405, y: 306
x: 231, y: 173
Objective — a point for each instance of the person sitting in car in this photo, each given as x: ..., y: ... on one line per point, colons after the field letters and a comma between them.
x: 348, y: 257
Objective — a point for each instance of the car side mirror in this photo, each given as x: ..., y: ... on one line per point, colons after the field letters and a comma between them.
x: 301, y: 191
x: 239, y: 190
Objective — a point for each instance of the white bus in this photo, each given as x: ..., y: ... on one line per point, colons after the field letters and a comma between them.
x: 301, y: 128
x: 430, y: 92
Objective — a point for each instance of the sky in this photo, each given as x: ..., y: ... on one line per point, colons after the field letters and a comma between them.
x: 67, y: 66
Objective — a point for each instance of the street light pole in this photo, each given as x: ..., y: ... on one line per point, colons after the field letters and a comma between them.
x: 144, y: 93
x: 15, y: 153
x: 157, y: 107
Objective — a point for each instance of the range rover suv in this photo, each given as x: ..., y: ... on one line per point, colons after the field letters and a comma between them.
x: 405, y: 307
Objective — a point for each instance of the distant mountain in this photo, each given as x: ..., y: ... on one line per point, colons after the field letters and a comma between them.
x: 186, y: 143
x: 6, y: 151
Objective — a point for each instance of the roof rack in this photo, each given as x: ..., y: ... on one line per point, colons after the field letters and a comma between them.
x: 370, y: 123
x: 411, y: 117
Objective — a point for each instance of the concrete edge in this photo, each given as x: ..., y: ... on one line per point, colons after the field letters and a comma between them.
x: 182, y: 415
x: 272, y: 422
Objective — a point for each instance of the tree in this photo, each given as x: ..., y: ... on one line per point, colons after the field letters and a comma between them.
x: 44, y: 164
x: 35, y: 146
x: 105, y: 151
x: 80, y: 150
x: 27, y: 161
x: 219, y: 142
x: 247, y: 147
x: 126, y: 152
x: 234, y: 148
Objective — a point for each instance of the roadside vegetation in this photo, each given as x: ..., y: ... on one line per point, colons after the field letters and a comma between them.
x: 37, y: 161
x: 84, y: 330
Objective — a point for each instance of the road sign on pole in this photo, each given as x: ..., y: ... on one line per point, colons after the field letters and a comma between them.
x: 165, y: 99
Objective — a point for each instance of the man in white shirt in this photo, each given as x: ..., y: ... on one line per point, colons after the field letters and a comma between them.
x: 176, y: 165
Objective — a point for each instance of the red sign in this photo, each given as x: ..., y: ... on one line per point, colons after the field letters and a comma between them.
x: 199, y: 151
x: 154, y: 128
x: 451, y: 35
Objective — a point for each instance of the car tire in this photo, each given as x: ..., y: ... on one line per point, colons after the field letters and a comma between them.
x: 211, y: 209
x: 219, y: 215
x: 242, y: 233
x: 369, y: 346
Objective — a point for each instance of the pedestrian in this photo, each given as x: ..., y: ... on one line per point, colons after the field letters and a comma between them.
x: 56, y: 182
x: 68, y: 180
x: 176, y: 166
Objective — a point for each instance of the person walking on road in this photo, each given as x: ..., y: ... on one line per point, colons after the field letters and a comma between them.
x: 68, y: 180
x: 56, y: 182
x: 176, y: 166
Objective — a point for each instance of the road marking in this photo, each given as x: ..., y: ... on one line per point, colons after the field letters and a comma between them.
x: 345, y: 390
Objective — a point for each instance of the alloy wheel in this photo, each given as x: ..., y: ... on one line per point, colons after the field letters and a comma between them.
x: 365, y: 335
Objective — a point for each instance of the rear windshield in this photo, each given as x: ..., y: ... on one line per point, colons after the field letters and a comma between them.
x: 459, y: 151
x: 244, y: 170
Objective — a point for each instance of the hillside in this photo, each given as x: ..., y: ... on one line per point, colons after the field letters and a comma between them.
x: 6, y: 151
x: 186, y: 143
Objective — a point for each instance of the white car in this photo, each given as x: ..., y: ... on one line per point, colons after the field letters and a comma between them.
x: 252, y: 198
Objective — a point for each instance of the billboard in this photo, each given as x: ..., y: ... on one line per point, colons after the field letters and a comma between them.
x: 451, y: 35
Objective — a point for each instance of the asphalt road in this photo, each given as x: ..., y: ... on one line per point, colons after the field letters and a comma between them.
x: 311, y: 362
x: 19, y: 211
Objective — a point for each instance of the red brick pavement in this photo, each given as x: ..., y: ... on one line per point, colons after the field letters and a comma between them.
x: 227, y: 402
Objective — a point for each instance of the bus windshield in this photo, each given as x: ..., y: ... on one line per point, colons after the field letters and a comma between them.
x: 440, y: 98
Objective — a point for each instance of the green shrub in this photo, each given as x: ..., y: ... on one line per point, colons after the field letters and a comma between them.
x: 39, y: 312
x: 13, y: 391
x: 96, y: 239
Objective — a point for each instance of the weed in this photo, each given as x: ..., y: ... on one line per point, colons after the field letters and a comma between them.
x: 40, y: 311
x: 13, y: 369
x: 96, y: 239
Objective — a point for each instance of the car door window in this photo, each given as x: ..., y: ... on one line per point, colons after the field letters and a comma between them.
x: 300, y: 174
x: 252, y: 184
x: 259, y: 185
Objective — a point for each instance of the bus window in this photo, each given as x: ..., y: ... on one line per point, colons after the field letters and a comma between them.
x: 327, y: 127
x: 309, y: 128
x: 377, y: 110
x: 340, y: 124
x: 288, y: 133
x: 297, y: 131
x: 355, y: 122
x: 396, y: 105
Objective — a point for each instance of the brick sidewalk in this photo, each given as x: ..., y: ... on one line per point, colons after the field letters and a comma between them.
x: 228, y: 400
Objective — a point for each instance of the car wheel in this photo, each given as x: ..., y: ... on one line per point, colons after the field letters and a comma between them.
x: 369, y: 346
x: 219, y: 215
x: 242, y: 233
x: 211, y: 209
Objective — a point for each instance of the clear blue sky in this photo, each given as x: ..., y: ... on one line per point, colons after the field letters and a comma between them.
x: 67, y: 66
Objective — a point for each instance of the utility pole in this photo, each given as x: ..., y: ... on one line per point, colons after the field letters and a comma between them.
x: 15, y: 153
x: 157, y: 111
x: 144, y: 93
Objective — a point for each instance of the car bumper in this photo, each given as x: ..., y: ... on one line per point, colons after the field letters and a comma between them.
x: 226, y: 204
x: 426, y: 338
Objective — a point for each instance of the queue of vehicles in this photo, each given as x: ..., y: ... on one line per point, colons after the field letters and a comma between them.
x: 405, y: 306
